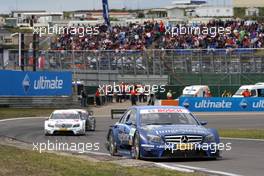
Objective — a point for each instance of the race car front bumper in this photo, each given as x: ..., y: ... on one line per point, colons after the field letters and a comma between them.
x: 74, y: 130
x: 166, y: 152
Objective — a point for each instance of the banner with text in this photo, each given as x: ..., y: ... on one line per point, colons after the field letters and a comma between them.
x: 222, y: 104
x: 18, y: 83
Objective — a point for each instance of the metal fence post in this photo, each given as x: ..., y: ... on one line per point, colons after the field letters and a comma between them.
x: 153, y: 63
x: 147, y: 61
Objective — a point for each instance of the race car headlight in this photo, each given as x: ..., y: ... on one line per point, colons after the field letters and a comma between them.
x: 50, y: 126
x: 209, y: 138
x: 76, y: 125
x: 154, y: 138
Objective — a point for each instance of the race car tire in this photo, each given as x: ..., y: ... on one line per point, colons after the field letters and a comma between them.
x: 135, y: 150
x: 83, y: 132
x: 217, y: 156
x: 112, y: 145
x: 47, y: 134
x: 93, y: 129
x: 89, y: 128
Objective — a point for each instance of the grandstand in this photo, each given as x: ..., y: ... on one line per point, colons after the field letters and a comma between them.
x: 147, y: 50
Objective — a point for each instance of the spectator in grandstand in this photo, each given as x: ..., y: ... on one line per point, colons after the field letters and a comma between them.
x: 208, y: 94
x: 133, y: 97
x: 123, y: 90
x: 152, y: 35
x: 118, y: 93
x: 151, y: 99
x: 97, y: 97
x: 246, y: 93
x: 141, y: 93
x: 169, y: 95
x: 83, y: 98
x: 109, y: 95
x: 102, y: 96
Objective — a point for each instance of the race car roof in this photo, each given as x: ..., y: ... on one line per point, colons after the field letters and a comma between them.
x: 65, y: 112
x: 79, y: 110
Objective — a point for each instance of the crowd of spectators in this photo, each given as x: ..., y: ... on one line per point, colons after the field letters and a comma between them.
x: 153, y: 35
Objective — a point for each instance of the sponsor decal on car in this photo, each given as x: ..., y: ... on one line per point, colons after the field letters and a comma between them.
x: 180, y: 131
x: 149, y: 111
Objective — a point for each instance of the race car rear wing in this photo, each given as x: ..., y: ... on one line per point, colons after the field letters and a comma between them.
x: 117, y: 111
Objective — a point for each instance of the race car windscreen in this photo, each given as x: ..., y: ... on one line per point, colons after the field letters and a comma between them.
x: 239, y: 91
x: 168, y: 119
x: 65, y: 116
x: 187, y: 95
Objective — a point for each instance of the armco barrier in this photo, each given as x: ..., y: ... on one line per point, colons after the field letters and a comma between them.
x: 167, y: 102
x: 39, y: 102
x: 18, y: 83
x: 222, y: 104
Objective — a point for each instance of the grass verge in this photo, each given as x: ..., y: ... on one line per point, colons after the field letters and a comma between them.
x: 15, y: 162
x: 242, y: 133
x: 6, y: 113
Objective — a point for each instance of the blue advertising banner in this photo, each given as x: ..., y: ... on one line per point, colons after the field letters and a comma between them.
x: 18, y: 83
x: 222, y: 104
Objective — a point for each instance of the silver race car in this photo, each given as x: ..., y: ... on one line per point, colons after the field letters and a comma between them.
x: 90, y: 121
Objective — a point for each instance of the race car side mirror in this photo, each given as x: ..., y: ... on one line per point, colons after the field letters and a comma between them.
x: 129, y: 123
x: 203, y: 123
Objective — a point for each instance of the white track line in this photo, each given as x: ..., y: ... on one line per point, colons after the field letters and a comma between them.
x: 208, y: 170
x: 196, y: 169
x: 98, y: 153
x: 180, y: 169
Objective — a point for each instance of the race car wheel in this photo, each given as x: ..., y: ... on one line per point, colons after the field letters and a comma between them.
x: 93, y: 128
x: 46, y: 133
x: 136, y: 147
x: 83, y: 134
x: 112, y: 145
x: 86, y: 127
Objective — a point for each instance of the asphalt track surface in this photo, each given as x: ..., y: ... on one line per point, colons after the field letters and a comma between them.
x: 245, y: 158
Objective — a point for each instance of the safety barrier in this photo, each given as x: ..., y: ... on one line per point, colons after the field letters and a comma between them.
x: 167, y: 102
x: 222, y: 104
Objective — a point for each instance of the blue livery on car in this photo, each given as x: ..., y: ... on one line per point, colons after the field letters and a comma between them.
x: 157, y: 132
